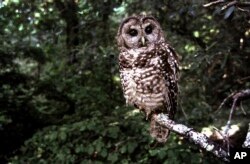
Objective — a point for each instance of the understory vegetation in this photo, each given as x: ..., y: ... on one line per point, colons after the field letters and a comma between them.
x: 60, y: 93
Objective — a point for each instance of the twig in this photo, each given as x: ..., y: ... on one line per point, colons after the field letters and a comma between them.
x: 201, y: 139
x: 243, y: 4
x: 235, y: 96
x: 242, y: 79
x: 246, y: 143
x: 228, y: 126
x: 242, y: 109
x: 244, y: 10
x: 240, y: 5
x: 229, y: 5
x: 225, y: 138
x: 213, y: 3
x: 198, y: 138
x: 184, y: 113
x: 225, y: 100
x: 243, y: 94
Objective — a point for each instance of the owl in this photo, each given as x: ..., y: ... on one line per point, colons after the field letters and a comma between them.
x: 148, y: 68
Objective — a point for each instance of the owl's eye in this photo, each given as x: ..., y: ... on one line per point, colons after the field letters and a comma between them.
x: 132, y: 32
x: 149, y: 29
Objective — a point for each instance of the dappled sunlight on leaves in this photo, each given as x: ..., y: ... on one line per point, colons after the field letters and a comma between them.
x: 54, y: 110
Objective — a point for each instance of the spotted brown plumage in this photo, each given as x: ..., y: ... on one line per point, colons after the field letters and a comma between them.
x: 148, y: 70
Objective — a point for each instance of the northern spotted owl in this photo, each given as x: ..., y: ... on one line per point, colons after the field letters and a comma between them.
x: 148, y: 70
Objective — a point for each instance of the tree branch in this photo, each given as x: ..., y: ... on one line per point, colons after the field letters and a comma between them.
x: 234, y: 2
x: 201, y: 139
x: 236, y: 97
x: 246, y: 143
x: 227, y: 4
x: 213, y: 3
x: 198, y: 138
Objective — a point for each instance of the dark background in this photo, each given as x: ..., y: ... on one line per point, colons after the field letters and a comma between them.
x: 60, y: 92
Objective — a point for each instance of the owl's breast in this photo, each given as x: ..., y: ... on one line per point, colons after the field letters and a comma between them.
x: 143, y: 84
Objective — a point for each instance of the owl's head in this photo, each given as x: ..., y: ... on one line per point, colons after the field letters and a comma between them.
x: 139, y: 31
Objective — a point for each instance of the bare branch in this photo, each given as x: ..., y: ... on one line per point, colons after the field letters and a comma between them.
x: 243, y: 4
x: 229, y: 5
x: 198, y: 138
x: 244, y: 94
x: 226, y: 4
x: 201, y: 139
x: 236, y: 96
x: 213, y: 3
x: 244, y: 10
x: 225, y: 100
x: 230, y: 116
x: 246, y: 144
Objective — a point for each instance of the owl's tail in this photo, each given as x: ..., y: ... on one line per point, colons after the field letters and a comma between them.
x: 158, y: 132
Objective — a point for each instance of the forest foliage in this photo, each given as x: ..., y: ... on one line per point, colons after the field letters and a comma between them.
x: 60, y: 93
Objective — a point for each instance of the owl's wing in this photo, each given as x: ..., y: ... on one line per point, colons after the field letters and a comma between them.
x: 174, y: 57
x: 171, y: 76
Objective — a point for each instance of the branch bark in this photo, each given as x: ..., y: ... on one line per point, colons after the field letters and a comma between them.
x: 227, y: 4
x: 198, y: 138
x: 201, y: 139
x: 246, y: 144
x: 236, y: 98
x: 213, y: 3
x: 234, y: 2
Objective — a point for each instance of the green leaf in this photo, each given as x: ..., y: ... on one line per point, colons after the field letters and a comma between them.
x: 123, y: 149
x: 79, y: 148
x: 153, y: 152
x: 113, y: 157
x: 63, y: 136
x: 99, y: 145
x: 90, y: 149
x: 113, y: 132
x: 132, y: 146
x: 104, y: 152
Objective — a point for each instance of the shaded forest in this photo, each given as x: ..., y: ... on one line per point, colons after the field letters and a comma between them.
x: 60, y: 93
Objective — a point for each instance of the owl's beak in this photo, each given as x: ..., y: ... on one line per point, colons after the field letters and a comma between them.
x: 143, y: 41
